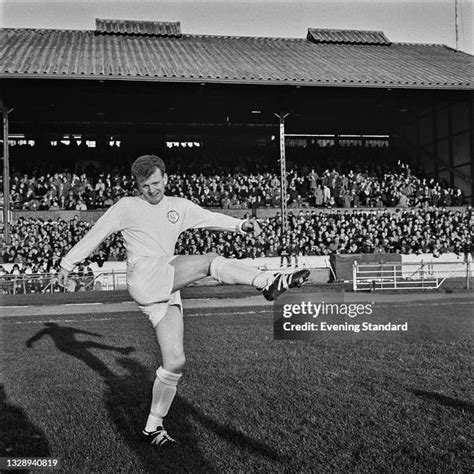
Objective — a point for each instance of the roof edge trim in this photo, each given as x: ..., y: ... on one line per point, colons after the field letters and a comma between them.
x: 378, y: 85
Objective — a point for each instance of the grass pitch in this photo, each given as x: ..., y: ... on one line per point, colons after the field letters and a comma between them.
x: 81, y: 394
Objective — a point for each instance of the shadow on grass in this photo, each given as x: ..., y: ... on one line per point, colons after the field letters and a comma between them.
x: 18, y: 436
x: 64, y: 337
x: 231, y: 435
x: 444, y: 400
x: 127, y: 400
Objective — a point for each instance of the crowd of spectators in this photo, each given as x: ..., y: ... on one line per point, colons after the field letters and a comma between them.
x: 323, y: 233
x: 351, y: 177
x: 337, y: 178
x: 37, y: 245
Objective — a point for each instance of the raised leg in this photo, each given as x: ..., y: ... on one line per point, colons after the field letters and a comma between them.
x: 188, y: 269
x: 191, y: 268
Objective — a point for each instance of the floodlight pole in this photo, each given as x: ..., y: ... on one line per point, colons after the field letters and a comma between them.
x: 456, y: 23
x: 283, y: 175
x: 6, y: 175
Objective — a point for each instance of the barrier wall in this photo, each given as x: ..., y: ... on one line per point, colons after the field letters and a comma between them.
x: 261, y: 213
x: 112, y: 275
x: 426, y: 269
x: 264, y: 263
x: 445, y: 265
x: 342, y: 265
x: 317, y: 261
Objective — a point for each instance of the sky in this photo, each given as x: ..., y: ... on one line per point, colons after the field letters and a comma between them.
x: 413, y: 21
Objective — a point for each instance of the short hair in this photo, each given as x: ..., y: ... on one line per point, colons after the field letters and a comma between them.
x: 144, y: 166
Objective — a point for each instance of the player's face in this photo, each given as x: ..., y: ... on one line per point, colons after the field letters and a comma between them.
x: 152, y: 189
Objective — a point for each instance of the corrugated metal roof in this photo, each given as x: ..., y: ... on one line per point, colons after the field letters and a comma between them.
x: 134, y: 27
x: 86, y: 54
x: 347, y: 36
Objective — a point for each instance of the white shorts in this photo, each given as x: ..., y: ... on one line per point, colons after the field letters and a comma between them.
x: 150, y: 281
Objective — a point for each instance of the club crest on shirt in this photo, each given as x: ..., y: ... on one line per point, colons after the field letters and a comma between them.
x: 173, y: 216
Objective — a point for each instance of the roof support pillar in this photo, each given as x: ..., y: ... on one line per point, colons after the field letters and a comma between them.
x: 434, y: 123
x: 471, y: 147
x: 283, y: 176
x: 450, y: 145
x: 6, y: 175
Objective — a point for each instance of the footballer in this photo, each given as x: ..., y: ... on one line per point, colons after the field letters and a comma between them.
x: 150, y: 224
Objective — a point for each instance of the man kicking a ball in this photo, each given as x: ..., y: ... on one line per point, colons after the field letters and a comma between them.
x: 150, y: 225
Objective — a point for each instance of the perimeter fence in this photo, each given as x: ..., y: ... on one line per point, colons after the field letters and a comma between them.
x: 413, y: 276
x: 48, y: 283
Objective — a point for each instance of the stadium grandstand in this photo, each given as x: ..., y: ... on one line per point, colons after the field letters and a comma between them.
x: 349, y: 156
x: 342, y: 141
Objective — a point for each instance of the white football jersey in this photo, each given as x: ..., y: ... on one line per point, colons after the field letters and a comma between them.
x: 149, y: 230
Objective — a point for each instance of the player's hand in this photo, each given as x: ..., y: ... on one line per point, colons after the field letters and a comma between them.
x: 252, y: 225
x: 63, y: 277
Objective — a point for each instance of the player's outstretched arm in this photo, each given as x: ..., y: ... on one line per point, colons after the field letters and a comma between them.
x: 108, y: 223
x: 195, y: 217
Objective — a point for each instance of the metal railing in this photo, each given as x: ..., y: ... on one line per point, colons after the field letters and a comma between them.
x: 105, y: 281
x: 412, y: 276
x: 48, y: 283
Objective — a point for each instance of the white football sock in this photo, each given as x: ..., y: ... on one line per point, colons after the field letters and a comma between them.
x: 234, y: 272
x: 164, y: 390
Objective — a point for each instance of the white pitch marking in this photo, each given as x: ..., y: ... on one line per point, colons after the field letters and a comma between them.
x: 59, y: 321
x: 234, y: 313
x: 6, y: 307
x: 118, y: 318
x: 82, y: 304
